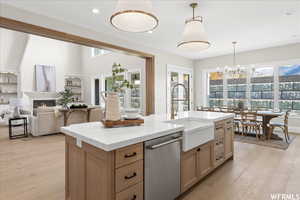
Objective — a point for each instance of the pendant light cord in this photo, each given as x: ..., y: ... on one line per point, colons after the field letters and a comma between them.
x: 193, y: 13
x: 234, y: 53
x: 193, y: 5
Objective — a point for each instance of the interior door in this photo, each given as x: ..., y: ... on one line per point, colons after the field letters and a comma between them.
x: 181, y: 100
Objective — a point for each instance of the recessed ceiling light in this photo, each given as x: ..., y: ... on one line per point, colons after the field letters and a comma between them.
x: 95, y: 11
x: 150, y: 31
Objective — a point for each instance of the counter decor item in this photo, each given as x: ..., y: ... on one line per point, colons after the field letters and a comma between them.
x: 78, y: 106
x: 112, y: 98
x: 131, y: 113
x: 66, y: 97
x: 122, y: 123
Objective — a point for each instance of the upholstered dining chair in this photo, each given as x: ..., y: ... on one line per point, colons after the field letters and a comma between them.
x: 249, y: 123
x: 282, y: 125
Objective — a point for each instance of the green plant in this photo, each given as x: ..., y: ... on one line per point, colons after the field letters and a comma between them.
x: 119, y: 83
x: 66, y: 97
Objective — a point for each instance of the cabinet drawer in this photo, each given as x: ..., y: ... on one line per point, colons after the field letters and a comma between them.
x: 219, y: 133
x: 129, y: 175
x: 129, y: 154
x: 229, y: 122
x: 219, y: 125
x: 133, y: 193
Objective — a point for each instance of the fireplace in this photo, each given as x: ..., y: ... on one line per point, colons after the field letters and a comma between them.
x: 43, y: 102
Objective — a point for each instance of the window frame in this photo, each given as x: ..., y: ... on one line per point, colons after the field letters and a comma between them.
x: 276, y: 91
x: 94, y: 54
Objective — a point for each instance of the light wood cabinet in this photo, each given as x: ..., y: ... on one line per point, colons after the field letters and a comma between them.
x: 129, y: 175
x: 204, y: 159
x: 189, y: 171
x: 89, y: 172
x: 196, y: 164
x: 129, y: 154
x: 135, y: 192
x: 224, y: 137
x: 200, y: 161
x: 94, y: 174
x: 229, y: 137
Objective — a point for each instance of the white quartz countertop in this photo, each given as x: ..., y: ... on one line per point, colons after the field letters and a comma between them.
x: 155, y: 126
x: 196, y: 115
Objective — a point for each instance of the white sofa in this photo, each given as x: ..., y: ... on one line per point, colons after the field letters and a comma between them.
x: 47, y: 121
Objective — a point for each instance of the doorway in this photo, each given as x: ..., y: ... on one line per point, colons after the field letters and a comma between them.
x: 181, y: 100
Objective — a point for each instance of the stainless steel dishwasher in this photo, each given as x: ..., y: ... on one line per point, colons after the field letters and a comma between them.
x: 162, y: 167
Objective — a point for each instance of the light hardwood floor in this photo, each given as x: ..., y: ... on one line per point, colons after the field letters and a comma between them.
x: 33, y: 169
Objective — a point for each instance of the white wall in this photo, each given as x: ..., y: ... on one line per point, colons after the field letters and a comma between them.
x: 66, y: 58
x: 267, y: 56
x: 161, y: 58
x: 95, y: 67
x: 12, y: 46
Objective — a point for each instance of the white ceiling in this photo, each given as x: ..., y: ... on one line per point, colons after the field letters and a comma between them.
x: 254, y: 24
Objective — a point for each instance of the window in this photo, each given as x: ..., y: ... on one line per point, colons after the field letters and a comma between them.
x: 216, y: 89
x: 129, y: 98
x: 135, y: 92
x: 289, y: 87
x: 99, y: 52
x: 262, y: 88
x: 237, y: 87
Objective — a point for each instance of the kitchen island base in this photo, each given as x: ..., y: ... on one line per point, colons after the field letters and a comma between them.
x: 95, y: 174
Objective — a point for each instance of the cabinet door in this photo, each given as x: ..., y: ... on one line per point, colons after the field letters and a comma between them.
x: 219, y: 149
x: 229, y: 142
x: 204, y: 159
x: 189, y: 175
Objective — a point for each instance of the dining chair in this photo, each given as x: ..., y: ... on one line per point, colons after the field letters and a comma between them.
x: 282, y: 125
x: 237, y: 120
x: 249, y: 123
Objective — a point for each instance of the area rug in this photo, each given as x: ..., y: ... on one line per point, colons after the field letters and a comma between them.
x: 278, y: 144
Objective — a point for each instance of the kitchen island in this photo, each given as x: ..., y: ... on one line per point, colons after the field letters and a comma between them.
x: 115, y: 164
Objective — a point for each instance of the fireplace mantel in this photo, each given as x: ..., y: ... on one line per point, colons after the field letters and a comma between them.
x: 42, y: 95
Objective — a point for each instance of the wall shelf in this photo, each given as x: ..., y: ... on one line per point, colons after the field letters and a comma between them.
x: 8, y: 87
x: 74, y: 83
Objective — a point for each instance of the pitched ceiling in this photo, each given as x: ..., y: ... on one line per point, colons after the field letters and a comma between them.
x: 254, y: 24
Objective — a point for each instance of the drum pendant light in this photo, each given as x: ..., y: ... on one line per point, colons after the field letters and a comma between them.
x: 194, y: 37
x: 134, y: 16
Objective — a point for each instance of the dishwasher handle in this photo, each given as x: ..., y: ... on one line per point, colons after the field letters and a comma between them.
x: 165, y: 143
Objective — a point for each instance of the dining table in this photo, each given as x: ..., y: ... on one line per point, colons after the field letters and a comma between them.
x: 266, y: 118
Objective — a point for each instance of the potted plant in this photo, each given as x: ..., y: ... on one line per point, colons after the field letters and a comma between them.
x: 111, y: 98
x: 66, y: 97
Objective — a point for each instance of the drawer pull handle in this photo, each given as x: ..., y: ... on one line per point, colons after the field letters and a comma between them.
x: 134, y: 197
x: 219, y: 128
x: 228, y: 122
x: 130, y: 177
x: 229, y: 128
x: 130, y: 155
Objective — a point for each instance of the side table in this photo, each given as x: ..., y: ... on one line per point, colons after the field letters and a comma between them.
x: 11, y: 125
